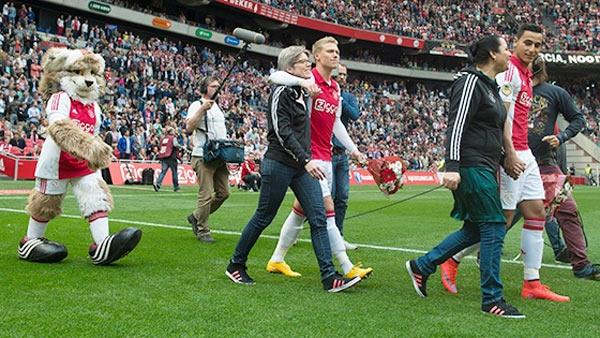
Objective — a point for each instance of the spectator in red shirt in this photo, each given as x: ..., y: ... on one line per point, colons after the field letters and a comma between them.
x: 249, y: 175
x: 60, y: 25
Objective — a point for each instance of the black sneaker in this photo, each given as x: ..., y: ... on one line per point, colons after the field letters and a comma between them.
x: 115, y: 246
x: 502, y: 309
x: 590, y: 271
x: 194, y: 222
x: 563, y: 256
x: 237, y: 274
x: 156, y: 187
x: 206, y: 238
x: 337, y: 283
x: 418, y: 279
x: 41, y: 250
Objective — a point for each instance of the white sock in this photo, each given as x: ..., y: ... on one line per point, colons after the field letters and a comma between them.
x: 466, y: 251
x: 99, y: 228
x: 532, y: 247
x: 289, y: 234
x: 36, y: 229
x: 338, y: 248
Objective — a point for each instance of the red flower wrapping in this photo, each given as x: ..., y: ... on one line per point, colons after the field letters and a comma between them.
x: 387, y: 173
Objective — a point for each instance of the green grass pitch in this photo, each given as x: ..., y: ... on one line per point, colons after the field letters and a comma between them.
x: 172, y: 285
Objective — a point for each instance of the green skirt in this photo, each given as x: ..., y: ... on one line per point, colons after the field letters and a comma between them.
x: 477, y: 198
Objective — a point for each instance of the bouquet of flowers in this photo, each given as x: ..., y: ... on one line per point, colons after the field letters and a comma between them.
x: 387, y: 173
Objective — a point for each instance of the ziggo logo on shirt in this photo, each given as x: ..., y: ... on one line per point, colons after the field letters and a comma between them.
x: 88, y: 128
x: 525, y: 99
x: 324, y: 106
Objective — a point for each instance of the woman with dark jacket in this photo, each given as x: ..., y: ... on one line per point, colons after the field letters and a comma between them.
x: 473, y: 153
x: 288, y: 163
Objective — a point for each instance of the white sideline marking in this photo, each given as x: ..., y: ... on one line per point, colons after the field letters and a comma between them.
x: 166, y: 191
x: 127, y: 187
x: 236, y: 233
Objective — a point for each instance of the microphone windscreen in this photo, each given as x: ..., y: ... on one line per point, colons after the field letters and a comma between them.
x: 248, y: 35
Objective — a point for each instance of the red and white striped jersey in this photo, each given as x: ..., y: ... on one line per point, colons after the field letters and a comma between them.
x: 53, y: 162
x: 516, y: 88
x: 324, y: 110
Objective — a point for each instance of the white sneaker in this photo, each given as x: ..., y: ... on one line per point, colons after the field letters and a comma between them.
x: 350, y: 246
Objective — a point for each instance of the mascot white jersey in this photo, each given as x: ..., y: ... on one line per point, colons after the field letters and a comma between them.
x: 55, y: 163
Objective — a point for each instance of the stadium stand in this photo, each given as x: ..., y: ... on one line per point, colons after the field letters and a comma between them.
x: 574, y: 27
x: 571, y: 26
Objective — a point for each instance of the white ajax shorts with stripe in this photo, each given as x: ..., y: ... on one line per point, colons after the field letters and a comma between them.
x: 326, y: 184
x: 527, y: 187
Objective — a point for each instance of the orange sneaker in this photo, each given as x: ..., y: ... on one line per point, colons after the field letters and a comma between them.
x: 537, y: 290
x: 448, y: 271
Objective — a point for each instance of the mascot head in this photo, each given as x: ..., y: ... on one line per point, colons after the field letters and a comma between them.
x: 77, y: 72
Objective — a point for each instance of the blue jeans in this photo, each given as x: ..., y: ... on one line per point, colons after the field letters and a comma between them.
x: 276, y: 178
x: 553, y: 232
x: 165, y: 165
x: 492, y: 239
x: 340, y: 189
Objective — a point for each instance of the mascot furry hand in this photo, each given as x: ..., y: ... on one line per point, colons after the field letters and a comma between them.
x: 71, y: 83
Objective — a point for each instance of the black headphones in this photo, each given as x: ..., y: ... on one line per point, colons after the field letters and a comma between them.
x: 204, y: 85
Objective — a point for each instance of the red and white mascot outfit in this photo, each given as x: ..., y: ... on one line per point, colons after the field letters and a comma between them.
x: 71, y: 82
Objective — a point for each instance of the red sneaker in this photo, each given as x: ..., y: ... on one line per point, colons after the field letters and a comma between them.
x: 537, y: 290
x: 448, y: 271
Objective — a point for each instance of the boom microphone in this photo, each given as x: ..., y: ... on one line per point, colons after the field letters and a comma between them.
x: 249, y: 36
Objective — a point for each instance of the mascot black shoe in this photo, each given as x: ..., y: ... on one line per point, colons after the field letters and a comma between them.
x: 41, y: 250
x: 115, y: 246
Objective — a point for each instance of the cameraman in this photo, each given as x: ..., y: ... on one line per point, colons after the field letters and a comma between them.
x: 207, y: 122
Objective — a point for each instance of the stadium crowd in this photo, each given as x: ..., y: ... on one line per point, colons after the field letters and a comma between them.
x: 575, y: 25
x: 587, y: 96
x: 151, y: 82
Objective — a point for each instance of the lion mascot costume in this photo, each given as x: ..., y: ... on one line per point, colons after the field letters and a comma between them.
x: 71, y: 83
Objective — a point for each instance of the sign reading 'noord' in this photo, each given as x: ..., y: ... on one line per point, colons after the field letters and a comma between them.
x: 203, y: 34
x: 569, y: 59
x: 99, y: 7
